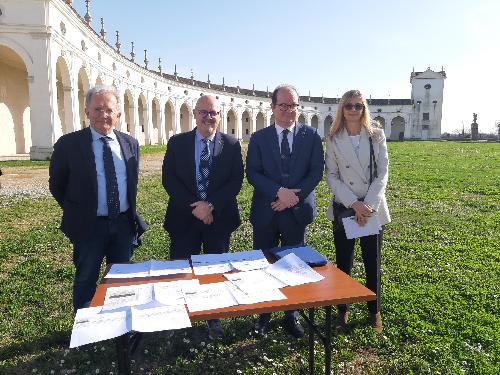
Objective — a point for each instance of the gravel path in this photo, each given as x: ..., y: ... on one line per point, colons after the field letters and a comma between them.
x: 33, y: 182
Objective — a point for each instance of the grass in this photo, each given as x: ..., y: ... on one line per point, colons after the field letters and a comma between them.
x: 440, y: 276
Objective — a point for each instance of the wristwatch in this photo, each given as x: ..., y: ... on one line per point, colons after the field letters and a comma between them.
x: 211, y: 206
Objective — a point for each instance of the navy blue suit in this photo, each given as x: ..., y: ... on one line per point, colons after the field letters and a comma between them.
x: 187, y: 233
x: 263, y: 169
x: 73, y: 183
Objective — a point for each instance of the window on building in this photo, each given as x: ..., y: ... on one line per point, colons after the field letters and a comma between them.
x: 246, y: 131
x: 425, y: 116
x: 232, y: 131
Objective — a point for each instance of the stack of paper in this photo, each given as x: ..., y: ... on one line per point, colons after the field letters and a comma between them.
x: 207, y: 264
x: 291, y: 270
x: 148, y: 268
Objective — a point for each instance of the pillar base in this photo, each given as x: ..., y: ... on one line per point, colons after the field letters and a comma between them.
x: 40, y: 152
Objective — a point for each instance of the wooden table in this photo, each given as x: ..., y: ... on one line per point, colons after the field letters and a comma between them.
x: 336, y: 288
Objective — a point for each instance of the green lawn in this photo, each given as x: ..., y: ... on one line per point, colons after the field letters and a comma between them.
x: 440, y: 279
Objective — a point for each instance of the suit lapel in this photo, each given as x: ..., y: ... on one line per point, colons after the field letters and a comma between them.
x: 298, y: 141
x: 87, y: 154
x: 126, y: 150
x: 273, y: 144
x: 364, y: 150
x: 347, y: 150
x: 191, y: 167
x: 218, y: 145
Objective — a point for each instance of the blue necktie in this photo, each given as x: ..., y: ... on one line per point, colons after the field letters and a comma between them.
x: 204, y: 170
x: 285, y: 158
x: 112, y: 197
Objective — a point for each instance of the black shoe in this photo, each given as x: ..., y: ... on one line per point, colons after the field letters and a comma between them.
x: 292, y: 325
x: 262, y: 324
x: 214, y: 329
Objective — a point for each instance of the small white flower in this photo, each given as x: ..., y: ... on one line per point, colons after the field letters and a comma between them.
x: 146, y: 351
x: 97, y: 371
x: 202, y: 343
x: 34, y: 370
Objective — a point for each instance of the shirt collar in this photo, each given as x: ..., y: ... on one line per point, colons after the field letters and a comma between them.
x: 96, y: 136
x: 199, y: 137
x: 279, y: 129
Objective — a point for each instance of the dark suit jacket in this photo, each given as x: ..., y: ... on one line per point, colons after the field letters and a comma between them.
x: 226, y: 178
x: 73, y: 181
x: 263, y: 168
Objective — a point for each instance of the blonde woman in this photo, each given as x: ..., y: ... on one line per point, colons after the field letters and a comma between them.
x: 357, y: 172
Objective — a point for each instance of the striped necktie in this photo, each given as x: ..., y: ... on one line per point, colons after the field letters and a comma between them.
x: 112, y: 197
x: 285, y: 158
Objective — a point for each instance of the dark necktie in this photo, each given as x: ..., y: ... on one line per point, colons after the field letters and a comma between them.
x: 204, y: 170
x: 285, y: 158
x: 112, y: 197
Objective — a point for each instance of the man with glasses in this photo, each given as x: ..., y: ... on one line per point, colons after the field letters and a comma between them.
x: 202, y: 174
x: 284, y: 164
x: 93, y: 176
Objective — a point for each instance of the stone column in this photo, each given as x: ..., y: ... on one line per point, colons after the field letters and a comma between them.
x: 238, y: 126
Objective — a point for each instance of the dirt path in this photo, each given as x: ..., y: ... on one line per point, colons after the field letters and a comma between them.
x: 33, y: 182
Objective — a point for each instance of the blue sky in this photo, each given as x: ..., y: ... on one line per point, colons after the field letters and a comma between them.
x: 325, y: 47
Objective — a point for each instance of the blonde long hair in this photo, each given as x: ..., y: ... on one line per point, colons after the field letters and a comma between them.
x: 338, y: 123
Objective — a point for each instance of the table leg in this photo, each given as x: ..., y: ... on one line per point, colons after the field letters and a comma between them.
x: 311, y: 341
x: 122, y: 350
x: 328, y: 340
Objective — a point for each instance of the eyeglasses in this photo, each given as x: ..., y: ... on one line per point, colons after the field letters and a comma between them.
x: 204, y: 113
x: 108, y: 111
x: 357, y: 106
x: 287, y: 107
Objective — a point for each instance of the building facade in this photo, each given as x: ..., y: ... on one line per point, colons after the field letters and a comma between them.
x: 50, y: 56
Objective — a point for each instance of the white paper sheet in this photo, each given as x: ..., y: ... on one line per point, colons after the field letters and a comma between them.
x: 92, y: 325
x: 354, y: 230
x: 172, y: 292
x: 130, y: 295
x: 292, y: 270
x: 261, y: 296
x: 149, y: 268
x: 156, y: 317
x: 255, y: 281
x: 128, y: 270
x: 207, y: 264
x: 169, y: 267
x: 248, y: 260
x: 209, y: 296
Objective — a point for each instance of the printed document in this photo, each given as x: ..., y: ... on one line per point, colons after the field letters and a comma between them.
x: 354, y: 230
x: 156, y: 317
x: 206, y: 264
x: 209, y: 296
x: 91, y: 325
x: 172, y: 292
x: 254, y: 297
x: 248, y: 260
x: 129, y: 295
x: 251, y: 282
x: 149, y: 268
x: 292, y: 270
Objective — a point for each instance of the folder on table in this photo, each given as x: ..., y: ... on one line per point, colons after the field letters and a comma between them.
x: 306, y: 253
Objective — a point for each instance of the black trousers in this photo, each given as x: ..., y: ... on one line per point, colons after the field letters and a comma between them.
x: 370, y: 252
x: 197, y: 238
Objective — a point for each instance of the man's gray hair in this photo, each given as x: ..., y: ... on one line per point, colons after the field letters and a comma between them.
x: 101, y: 89
x: 274, y: 97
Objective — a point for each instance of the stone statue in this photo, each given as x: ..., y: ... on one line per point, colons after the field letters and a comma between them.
x: 474, y: 128
x: 474, y: 116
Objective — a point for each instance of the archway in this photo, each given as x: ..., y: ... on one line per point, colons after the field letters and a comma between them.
x: 83, y: 87
x: 155, y: 113
x: 260, y: 121
x: 186, y: 118
x: 246, y: 122
x: 302, y: 119
x: 64, y: 105
x: 128, y: 109
x: 327, y: 124
x: 381, y: 121
x: 231, y: 123
x: 15, y: 124
x: 314, y: 122
x: 397, y: 128
x: 271, y: 120
x: 141, y: 110
x: 169, y: 119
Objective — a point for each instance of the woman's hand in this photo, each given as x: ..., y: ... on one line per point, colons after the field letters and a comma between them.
x: 362, y: 212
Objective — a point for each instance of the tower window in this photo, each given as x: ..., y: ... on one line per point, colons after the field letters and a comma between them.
x: 425, y: 116
x: 427, y: 87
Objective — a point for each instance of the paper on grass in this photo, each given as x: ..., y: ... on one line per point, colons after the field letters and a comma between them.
x: 292, y: 270
x: 254, y: 281
x: 129, y: 295
x: 92, y: 325
x: 354, y: 230
x: 209, y: 296
x: 256, y: 297
x: 156, y: 317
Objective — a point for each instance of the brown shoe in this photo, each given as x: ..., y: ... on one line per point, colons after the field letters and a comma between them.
x: 341, y: 321
x: 376, y: 322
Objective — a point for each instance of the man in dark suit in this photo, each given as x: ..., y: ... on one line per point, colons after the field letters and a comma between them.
x: 202, y: 174
x: 284, y: 164
x: 93, y: 176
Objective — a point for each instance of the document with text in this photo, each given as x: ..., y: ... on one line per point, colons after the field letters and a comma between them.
x: 292, y: 270
x: 354, y: 230
x: 209, y: 297
x: 156, y: 317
